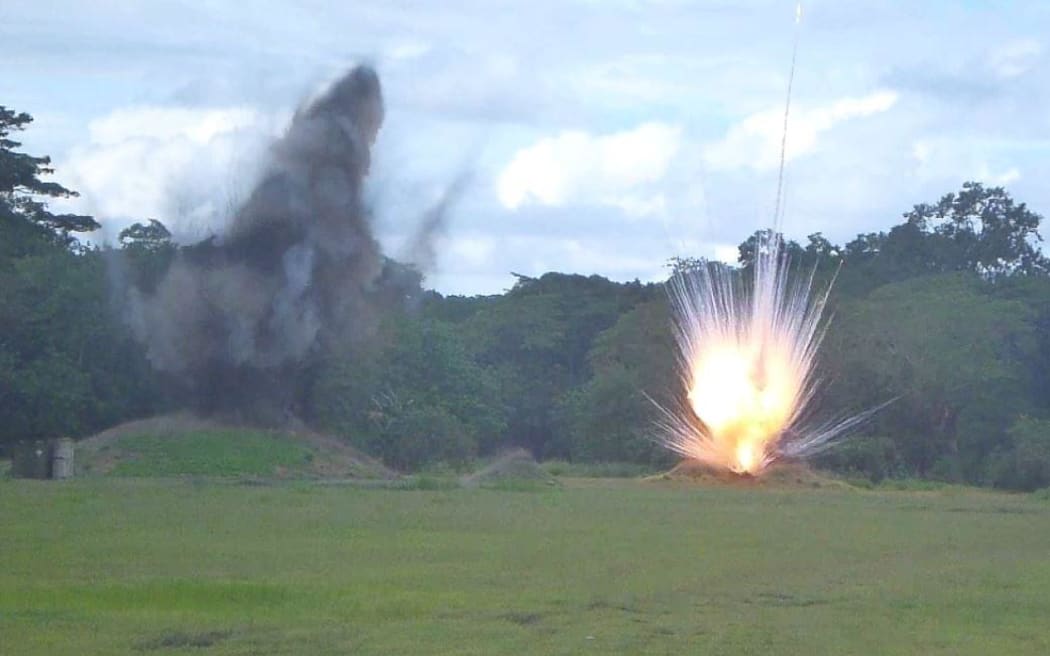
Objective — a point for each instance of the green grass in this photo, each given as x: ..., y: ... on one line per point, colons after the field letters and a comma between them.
x: 426, y: 482
x: 209, y: 453
x: 133, y: 566
x: 598, y: 469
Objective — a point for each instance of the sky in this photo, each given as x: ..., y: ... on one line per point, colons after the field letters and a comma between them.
x: 596, y: 137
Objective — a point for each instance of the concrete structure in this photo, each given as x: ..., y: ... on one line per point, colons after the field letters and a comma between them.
x: 43, y: 459
x: 62, y: 459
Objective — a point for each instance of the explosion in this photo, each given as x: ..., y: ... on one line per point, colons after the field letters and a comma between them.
x: 747, y: 356
x: 239, y: 317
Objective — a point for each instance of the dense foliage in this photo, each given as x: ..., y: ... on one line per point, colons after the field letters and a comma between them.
x: 947, y: 314
x: 68, y: 364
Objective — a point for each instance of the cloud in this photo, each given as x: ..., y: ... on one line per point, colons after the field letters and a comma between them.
x: 954, y: 159
x: 991, y: 75
x: 755, y: 141
x: 546, y: 105
x: 478, y: 254
x: 186, y: 167
x: 488, y: 268
x: 1015, y: 58
x: 575, y: 167
x: 166, y: 123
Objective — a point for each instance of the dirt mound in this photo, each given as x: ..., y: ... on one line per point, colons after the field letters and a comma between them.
x: 782, y: 475
x: 341, y: 459
x: 161, y: 424
x: 516, y: 465
x: 185, y: 444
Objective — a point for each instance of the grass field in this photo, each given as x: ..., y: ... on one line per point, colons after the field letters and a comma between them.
x: 130, y: 566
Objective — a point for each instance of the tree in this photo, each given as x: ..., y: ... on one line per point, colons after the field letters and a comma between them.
x: 417, y: 399
x: 148, y: 251
x: 1025, y: 464
x: 23, y: 218
x: 1034, y: 293
x: 760, y: 243
x: 536, y: 338
x: 951, y: 351
x: 68, y: 365
x: 819, y: 258
x: 612, y: 416
x: 981, y: 229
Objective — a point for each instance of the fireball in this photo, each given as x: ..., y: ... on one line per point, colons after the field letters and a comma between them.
x: 747, y: 356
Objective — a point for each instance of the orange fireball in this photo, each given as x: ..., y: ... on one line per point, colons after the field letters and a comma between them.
x: 747, y: 357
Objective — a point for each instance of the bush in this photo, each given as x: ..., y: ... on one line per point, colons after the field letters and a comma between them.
x: 874, y: 458
x: 414, y: 401
x: 1026, y: 465
x: 422, y: 434
x: 947, y: 469
x: 611, y: 420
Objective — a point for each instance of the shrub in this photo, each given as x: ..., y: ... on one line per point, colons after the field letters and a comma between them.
x: 1026, y: 465
x: 874, y: 458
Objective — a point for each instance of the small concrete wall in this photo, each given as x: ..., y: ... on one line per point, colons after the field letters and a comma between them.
x: 62, y: 459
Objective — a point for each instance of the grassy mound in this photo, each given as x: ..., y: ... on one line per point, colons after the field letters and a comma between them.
x: 184, y: 445
x: 777, y: 476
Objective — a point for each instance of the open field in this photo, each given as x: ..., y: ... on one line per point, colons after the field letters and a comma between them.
x: 113, y: 566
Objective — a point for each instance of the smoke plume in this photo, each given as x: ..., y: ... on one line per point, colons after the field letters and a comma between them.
x: 237, y: 315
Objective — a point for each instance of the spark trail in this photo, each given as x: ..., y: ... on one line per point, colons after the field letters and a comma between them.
x: 747, y: 355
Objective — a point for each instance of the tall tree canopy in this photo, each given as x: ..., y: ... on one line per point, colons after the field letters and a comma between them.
x: 24, y: 218
x: 68, y: 365
x: 978, y: 229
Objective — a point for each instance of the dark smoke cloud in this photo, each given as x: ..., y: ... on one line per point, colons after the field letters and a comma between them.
x: 237, y: 315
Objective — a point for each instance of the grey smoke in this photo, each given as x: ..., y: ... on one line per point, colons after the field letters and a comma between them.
x: 421, y: 249
x: 237, y: 315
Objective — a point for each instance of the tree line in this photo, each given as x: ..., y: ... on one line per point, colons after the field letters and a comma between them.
x: 947, y: 314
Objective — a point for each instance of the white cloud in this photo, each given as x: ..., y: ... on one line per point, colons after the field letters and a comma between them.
x: 460, y: 80
x: 472, y: 251
x: 1010, y: 175
x: 1015, y: 58
x: 186, y: 167
x: 755, y: 141
x: 407, y: 49
x: 575, y: 167
x: 166, y: 123
x: 951, y: 160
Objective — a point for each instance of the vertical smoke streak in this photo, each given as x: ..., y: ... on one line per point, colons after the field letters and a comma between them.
x: 778, y: 210
x: 421, y: 249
